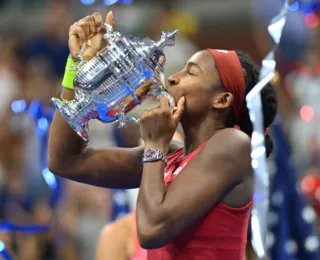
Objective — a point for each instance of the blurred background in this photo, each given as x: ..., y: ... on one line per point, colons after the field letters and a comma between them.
x: 34, y: 49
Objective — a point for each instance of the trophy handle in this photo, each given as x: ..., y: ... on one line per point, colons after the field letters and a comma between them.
x: 122, y: 118
x: 167, y: 39
x: 110, y: 34
x: 162, y: 93
x: 81, y: 61
x: 160, y: 82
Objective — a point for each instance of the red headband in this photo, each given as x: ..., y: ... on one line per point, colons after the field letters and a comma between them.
x: 232, y: 77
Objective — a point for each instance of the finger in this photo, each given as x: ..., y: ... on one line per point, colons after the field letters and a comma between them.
x: 164, y: 104
x: 78, y: 32
x: 75, y: 49
x: 160, y: 64
x: 97, y: 20
x: 91, y: 25
x: 74, y: 40
x: 161, y: 60
x: 85, y: 26
x: 110, y: 19
x: 180, y: 108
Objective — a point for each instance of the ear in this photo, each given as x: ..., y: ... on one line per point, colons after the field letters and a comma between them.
x: 222, y: 100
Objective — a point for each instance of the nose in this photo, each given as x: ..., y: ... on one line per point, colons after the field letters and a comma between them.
x: 173, y: 80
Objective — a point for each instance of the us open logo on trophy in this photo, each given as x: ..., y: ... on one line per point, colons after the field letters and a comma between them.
x: 123, y: 74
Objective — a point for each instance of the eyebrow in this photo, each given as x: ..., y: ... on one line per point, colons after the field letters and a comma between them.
x: 191, y: 63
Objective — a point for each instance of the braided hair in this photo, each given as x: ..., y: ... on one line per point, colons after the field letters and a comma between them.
x: 268, y: 98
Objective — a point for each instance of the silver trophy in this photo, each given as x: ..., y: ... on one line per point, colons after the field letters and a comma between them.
x: 125, y: 72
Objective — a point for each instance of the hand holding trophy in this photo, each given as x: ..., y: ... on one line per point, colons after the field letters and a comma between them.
x: 116, y: 72
x: 88, y: 32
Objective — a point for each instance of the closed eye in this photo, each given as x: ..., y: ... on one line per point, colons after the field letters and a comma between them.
x: 191, y: 64
x: 189, y: 73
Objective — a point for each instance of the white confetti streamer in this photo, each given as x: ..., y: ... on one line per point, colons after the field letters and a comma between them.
x: 259, y: 224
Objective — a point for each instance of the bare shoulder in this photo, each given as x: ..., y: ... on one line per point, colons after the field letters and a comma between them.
x: 234, y: 138
x: 119, y: 231
x: 235, y: 147
x: 229, y: 145
x: 235, y: 143
x: 116, y: 228
x: 116, y: 239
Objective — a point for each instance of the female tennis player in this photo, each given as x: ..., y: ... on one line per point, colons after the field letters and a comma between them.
x: 195, y: 202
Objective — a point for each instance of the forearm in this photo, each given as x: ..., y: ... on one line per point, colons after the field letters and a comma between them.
x: 65, y: 145
x: 152, y: 192
x: 151, y: 213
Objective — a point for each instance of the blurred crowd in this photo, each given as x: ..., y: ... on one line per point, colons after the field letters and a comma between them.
x: 31, y: 68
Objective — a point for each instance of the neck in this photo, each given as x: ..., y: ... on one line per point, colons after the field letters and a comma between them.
x: 198, y: 133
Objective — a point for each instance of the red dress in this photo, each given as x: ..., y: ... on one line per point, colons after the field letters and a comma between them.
x: 221, y: 234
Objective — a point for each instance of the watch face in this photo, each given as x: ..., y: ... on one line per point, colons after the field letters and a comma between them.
x: 150, y: 153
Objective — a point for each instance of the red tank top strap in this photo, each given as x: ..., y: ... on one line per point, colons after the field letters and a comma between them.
x: 191, y: 155
x: 177, y: 155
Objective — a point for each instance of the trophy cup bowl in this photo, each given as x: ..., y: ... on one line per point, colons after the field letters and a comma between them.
x: 122, y: 75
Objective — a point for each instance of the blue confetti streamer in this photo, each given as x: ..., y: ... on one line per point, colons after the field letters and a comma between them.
x: 107, y: 2
x: 294, y: 6
x: 27, y: 229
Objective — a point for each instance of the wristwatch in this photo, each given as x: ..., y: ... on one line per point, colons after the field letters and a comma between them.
x: 153, y: 155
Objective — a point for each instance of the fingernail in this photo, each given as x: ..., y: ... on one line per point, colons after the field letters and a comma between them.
x: 111, y: 13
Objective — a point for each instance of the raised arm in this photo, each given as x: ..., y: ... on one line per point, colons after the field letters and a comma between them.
x: 68, y: 155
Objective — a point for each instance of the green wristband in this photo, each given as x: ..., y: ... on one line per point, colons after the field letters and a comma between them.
x: 69, y: 75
